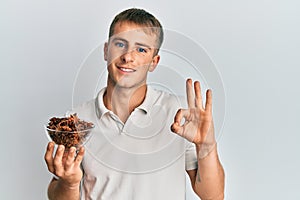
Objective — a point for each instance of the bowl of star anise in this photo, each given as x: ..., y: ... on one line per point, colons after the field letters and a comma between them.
x: 69, y: 131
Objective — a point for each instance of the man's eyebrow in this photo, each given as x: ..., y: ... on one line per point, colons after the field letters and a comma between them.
x: 136, y: 43
x: 144, y: 45
x: 119, y: 38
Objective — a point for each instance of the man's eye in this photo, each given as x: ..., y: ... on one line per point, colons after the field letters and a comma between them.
x: 120, y: 44
x: 141, y: 50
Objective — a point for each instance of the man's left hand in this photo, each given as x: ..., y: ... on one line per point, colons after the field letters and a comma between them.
x: 197, y: 120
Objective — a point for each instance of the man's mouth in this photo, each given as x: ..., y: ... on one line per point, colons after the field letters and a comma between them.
x: 123, y: 69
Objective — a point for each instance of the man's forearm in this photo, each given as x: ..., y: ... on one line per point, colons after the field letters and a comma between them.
x: 209, y: 181
x: 57, y: 190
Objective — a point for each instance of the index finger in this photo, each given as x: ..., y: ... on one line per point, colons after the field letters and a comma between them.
x: 79, y: 156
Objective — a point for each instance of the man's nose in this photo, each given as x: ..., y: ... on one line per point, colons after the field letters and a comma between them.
x: 128, y: 56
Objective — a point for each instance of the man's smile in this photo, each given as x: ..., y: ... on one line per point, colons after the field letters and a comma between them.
x: 126, y: 70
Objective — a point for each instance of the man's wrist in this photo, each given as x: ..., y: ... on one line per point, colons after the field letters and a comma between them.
x: 204, y: 149
x: 68, y: 186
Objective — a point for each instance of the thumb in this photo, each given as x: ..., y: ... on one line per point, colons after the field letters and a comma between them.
x: 176, y: 128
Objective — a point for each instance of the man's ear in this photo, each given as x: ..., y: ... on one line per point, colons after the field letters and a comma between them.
x: 105, y: 49
x: 154, y: 63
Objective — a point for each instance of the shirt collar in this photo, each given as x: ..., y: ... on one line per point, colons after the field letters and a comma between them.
x: 151, y: 96
x: 99, y: 104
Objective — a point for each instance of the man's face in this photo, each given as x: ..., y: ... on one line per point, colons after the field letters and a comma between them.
x: 130, y: 54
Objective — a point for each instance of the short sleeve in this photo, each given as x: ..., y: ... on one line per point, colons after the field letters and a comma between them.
x: 190, y: 156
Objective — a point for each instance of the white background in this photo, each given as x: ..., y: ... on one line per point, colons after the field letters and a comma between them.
x: 255, y: 45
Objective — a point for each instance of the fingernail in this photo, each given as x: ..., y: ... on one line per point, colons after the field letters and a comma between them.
x: 60, y: 147
x: 72, y: 149
x: 81, y: 149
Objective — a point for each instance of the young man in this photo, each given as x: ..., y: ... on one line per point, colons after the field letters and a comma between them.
x: 133, y: 153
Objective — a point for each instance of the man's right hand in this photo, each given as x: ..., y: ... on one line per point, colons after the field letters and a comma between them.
x: 65, y: 164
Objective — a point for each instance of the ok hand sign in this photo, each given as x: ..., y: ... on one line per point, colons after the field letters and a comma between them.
x: 198, y: 123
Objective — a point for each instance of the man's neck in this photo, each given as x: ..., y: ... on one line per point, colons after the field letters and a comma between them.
x: 122, y: 101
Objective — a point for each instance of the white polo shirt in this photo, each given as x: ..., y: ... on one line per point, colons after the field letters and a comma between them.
x: 139, y: 160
